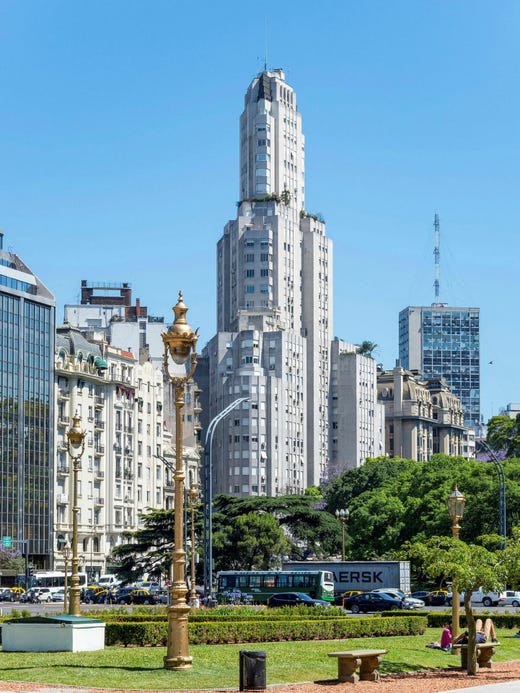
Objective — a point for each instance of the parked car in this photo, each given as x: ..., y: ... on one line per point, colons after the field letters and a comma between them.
x: 477, y: 597
x: 133, y: 595
x: 44, y: 594
x: 7, y: 595
x: 161, y: 596
x: 347, y: 597
x: 294, y: 599
x: 509, y: 598
x: 433, y: 598
x: 374, y: 601
x: 88, y: 595
x: 59, y: 595
x: 436, y: 597
x: 400, y: 593
x: 17, y: 591
x: 407, y: 602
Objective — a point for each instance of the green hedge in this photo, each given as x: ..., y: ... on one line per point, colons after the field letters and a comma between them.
x: 437, y: 620
x: 212, y: 633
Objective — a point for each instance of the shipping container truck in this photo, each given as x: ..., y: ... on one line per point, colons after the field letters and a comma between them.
x: 360, y: 575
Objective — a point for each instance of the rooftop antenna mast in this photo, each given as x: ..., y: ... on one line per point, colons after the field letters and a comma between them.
x: 265, y: 44
x: 436, y: 255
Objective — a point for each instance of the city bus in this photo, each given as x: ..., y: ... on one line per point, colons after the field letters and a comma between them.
x: 255, y: 586
x: 56, y: 579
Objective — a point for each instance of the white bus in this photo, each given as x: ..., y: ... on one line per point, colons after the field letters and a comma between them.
x: 55, y: 579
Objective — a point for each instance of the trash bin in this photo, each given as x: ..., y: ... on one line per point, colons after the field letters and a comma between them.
x: 252, y: 670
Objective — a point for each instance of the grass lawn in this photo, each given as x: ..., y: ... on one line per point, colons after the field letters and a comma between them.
x: 216, y: 666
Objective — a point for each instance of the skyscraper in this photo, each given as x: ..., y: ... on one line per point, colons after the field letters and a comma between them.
x: 274, y: 311
x: 440, y: 340
x: 27, y: 318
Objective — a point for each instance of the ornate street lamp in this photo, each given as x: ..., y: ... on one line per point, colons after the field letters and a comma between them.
x: 455, y: 503
x: 75, y: 448
x: 193, y: 498
x: 342, y: 516
x: 180, y: 341
x: 66, y: 556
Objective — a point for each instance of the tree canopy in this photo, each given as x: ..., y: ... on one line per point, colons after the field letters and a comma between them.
x: 504, y: 435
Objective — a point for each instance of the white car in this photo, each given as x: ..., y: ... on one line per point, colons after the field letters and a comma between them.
x: 408, y: 602
x: 477, y: 597
x: 43, y: 594
x: 59, y: 595
x: 509, y: 598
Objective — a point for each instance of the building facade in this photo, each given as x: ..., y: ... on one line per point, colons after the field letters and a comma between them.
x: 127, y: 464
x: 274, y: 311
x: 440, y: 340
x: 27, y: 322
x: 357, y: 425
x: 422, y: 416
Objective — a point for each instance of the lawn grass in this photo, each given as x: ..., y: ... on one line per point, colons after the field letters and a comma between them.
x: 217, y: 666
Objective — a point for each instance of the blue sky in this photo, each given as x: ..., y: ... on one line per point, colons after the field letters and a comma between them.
x: 119, y: 151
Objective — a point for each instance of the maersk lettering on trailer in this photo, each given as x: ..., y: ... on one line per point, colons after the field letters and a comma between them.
x: 363, y: 575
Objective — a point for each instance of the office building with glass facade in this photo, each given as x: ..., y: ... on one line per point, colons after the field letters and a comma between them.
x: 440, y: 340
x: 27, y: 320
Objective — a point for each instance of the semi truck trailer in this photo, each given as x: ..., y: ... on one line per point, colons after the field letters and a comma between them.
x: 360, y: 575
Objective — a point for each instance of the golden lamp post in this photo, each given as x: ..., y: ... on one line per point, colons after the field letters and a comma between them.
x: 66, y: 556
x: 455, y: 503
x: 342, y: 515
x: 193, y: 497
x: 180, y: 343
x: 75, y: 448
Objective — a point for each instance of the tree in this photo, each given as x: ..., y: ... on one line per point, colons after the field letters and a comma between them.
x: 11, y: 560
x: 470, y: 567
x: 250, y: 542
x: 503, y: 435
x: 366, y: 348
x: 149, y: 550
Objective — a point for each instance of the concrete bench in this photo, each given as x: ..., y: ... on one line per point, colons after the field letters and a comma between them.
x: 366, y: 660
x: 485, y: 651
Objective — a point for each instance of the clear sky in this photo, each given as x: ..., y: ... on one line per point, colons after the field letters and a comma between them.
x: 119, y: 151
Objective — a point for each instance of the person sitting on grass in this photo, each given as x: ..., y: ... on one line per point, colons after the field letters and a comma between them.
x: 446, y: 638
x: 484, y: 633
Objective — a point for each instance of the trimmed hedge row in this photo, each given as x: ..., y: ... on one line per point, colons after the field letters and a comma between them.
x: 437, y: 620
x: 204, y: 615
x: 155, y: 633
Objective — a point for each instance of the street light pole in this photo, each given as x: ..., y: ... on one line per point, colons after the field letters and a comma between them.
x: 208, y: 497
x: 342, y: 516
x: 193, y: 497
x: 75, y: 448
x: 455, y: 503
x: 180, y: 343
x: 66, y: 556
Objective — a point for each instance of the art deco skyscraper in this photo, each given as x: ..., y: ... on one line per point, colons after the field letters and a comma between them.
x: 274, y: 311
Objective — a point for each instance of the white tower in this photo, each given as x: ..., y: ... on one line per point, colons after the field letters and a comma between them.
x: 274, y: 311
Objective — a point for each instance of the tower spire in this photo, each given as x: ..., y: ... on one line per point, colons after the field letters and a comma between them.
x: 436, y: 255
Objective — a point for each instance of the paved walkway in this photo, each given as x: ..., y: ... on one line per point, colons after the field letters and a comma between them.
x: 510, y: 687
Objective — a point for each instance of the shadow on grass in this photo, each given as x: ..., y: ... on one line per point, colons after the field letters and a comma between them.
x: 88, y: 667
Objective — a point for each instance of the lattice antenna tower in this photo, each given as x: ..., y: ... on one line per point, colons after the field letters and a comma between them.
x: 436, y: 255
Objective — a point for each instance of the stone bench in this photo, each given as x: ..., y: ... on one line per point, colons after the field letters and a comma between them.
x: 485, y: 651
x: 366, y: 660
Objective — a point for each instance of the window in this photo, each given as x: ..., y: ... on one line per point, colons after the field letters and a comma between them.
x: 250, y: 289
x: 250, y: 273
x: 264, y: 257
x: 250, y: 257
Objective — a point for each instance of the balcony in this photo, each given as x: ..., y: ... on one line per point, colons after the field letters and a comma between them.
x: 99, y: 401
x: 99, y: 424
x: 63, y: 420
x: 117, y: 449
x: 129, y: 499
x: 99, y: 501
x: 62, y: 498
x: 63, y: 393
x: 128, y: 474
x: 63, y: 470
x: 99, y: 450
x: 99, y: 474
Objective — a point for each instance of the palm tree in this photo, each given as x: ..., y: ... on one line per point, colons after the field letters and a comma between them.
x: 366, y: 348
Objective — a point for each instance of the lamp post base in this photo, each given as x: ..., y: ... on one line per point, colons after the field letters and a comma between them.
x: 177, y: 655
